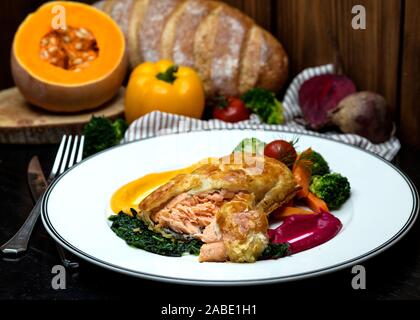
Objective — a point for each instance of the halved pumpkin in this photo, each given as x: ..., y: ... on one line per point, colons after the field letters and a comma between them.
x: 76, y: 68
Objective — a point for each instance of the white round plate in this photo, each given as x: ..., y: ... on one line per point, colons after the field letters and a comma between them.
x: 382, y: 207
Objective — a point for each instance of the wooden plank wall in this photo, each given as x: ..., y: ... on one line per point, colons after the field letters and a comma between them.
x: 323, y: 31
x: 383, y: 58
x: 409, y: 122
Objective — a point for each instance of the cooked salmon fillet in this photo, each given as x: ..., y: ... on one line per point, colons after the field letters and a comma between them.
x: 191, y: 213
x: 223, y: 204
x: 213, y: 252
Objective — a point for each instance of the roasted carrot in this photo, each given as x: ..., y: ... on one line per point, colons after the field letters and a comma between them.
x: 302, y: 172
x: 284, y: 212
x: 316, y: 204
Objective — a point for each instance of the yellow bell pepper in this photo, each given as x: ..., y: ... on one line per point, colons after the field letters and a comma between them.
x: 165, y: 87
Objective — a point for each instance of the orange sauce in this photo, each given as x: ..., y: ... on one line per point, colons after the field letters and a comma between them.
x: 131, y: 194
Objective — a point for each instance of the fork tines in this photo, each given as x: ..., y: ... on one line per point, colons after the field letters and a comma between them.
x: 69, y: 153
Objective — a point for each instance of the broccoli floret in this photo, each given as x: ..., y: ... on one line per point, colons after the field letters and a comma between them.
x: 319, y: 167
x: 333, y: 188
x: 251, y: 145
x: 120, y: 127
x: 264, y: 103
x: 101, y: 133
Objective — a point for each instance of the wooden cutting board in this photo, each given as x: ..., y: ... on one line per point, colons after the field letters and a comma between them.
x: 22, y: 123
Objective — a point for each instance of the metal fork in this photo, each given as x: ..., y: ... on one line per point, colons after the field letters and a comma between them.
x: 69, y: 153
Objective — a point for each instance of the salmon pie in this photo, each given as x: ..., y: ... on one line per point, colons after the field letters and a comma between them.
x: 225, y: 204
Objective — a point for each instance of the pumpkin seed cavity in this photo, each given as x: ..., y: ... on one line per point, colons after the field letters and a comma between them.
x: 71, y: 49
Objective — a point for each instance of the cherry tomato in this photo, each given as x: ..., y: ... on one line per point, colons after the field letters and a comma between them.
x: 282, y: 151
x: 231, y: 110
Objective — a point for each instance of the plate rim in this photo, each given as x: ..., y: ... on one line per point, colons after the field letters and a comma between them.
x: 372, y: 253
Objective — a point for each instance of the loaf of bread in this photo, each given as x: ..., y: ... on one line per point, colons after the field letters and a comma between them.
x: 230, y: 52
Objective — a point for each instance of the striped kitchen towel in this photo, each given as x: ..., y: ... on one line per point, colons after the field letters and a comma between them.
x: 160, y: 123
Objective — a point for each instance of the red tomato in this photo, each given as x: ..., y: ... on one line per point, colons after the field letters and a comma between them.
x: 232, y: 110
x: 282, y: 151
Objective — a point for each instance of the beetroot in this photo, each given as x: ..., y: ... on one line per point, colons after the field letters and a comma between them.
x: 320, y: 95
x: 366, y: 114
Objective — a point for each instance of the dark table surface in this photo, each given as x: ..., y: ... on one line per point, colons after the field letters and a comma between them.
x: 393, y: 274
